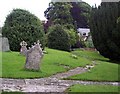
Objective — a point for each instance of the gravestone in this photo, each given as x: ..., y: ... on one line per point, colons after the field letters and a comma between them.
x: 33, y: 57
x: 23, y: 50
x: 4, y: 43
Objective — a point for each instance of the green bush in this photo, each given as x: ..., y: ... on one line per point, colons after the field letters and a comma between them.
x: 58, y: 38
x: 89, y: 42
x: 73, y: 36
x: 22, y: 25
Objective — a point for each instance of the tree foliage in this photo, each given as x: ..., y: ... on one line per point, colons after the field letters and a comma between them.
x: 105, y: 29
x: 75, y: 13
x: 59, y: 13
x: 22, y: 25
x: 80, y: 12
x: 71, y: 15
x: 72, y: 36
x: 58, y: 38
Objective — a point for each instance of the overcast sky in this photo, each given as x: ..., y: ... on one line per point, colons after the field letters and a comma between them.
x: 36, y: 7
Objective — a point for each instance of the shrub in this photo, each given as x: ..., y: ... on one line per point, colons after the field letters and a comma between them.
x: 89, y: 42
x: 73, y: 36
x: 58, y: 38
x: 22, y: 25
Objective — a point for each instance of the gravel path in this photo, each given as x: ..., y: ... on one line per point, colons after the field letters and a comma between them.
x: 49, y: 84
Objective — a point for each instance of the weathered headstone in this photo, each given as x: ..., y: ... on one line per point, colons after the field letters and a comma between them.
x: 34, y: 56
x: 4, y: 43
x: 23, y: 50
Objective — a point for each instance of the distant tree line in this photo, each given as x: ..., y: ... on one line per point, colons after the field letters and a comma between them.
x: 74, y: 13
x: 22, y: 25
x: 69, y: 16
x: 63, y: 20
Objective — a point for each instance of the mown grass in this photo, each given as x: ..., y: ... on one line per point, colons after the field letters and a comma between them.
x: 91, y: 55
x: 103, y: 71
x: 94, y: 88
x: 52, y: 63
x: 59, y: 61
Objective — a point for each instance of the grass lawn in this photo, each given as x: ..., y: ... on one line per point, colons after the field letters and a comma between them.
x: 93, y: 88
x: 60, y: 61
x: 103, y: 71
x: 91, y: 55
x: 52, y: 63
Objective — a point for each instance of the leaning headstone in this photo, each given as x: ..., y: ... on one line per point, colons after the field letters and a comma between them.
x: 34, y: 56
x: 23, y: 50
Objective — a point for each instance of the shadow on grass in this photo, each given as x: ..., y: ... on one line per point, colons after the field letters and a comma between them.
x: 114, y: 61
x: 31, y: 70
x: 109, y: 61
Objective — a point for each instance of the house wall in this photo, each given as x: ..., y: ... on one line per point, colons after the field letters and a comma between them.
x: 81, y: 31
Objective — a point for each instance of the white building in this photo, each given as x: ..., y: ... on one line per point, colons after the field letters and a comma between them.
x: 83, y: 31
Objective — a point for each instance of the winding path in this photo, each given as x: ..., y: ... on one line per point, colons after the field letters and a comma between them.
x: 48, y: 84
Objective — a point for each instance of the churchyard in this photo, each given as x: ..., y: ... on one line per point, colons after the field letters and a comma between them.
x: 70, y: 52
x: 104, y: 72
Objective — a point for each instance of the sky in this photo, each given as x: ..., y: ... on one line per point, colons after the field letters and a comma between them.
x: 36, y: 7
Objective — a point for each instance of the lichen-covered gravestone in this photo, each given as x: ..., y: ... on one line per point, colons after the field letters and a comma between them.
x: 34, y: 56
x: 23, y: 50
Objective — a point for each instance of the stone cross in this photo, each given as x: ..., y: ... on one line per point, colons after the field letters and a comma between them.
x: 34, y: 56
x: 23, y: 49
